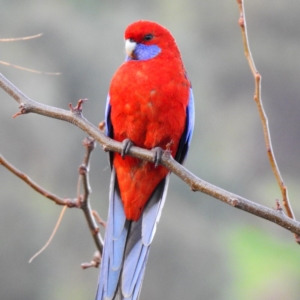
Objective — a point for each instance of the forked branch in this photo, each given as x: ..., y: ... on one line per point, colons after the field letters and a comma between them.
x: 82, y: 201
x: 75, y: 117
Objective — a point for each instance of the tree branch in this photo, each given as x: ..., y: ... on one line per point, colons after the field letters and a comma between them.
x: 58, y: 200
x: 81, y: 202
x: 263, y: 116
x: 75, y: 117
x: 84, y: 200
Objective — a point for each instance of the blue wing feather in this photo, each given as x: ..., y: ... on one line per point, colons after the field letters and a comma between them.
x: 108, y: 125
x: 186, y: 137
x: 109, y: 131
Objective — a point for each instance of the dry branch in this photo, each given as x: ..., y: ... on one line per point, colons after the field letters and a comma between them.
x: 82, y: 201
x: 35, y: 186
x: 75, y: 117
x: 263, y: 116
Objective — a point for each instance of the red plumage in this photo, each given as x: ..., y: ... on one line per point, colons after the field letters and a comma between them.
x: 150, y: 105
x: 148, y: 101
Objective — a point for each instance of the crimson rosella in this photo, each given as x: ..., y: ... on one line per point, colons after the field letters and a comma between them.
x: 150, y: 105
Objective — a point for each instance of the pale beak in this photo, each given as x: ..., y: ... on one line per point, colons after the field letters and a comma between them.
x: 129, y: 47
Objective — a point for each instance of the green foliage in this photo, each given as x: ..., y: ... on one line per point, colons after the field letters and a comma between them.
x: 264, y: 267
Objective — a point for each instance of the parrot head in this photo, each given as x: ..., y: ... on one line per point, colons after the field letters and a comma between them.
x: 145, y: 40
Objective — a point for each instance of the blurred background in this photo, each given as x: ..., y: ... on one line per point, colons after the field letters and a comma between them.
x: 203, y: 249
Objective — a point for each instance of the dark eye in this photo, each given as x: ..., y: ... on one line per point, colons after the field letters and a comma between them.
x: 148, y: 37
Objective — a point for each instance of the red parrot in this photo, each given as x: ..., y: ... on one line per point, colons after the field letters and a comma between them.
x: 150, y: 105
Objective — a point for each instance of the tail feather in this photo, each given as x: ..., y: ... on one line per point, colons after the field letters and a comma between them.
x: 134, y: 260
x: 114, y: 245
x: 127, y: 244
x: 152, y: 211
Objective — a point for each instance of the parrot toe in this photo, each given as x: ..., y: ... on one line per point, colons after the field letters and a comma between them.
x: 126, y: 145
x: 158, y: 153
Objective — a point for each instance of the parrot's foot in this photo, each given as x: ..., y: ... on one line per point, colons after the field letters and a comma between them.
x: 158, y: 154
x: 126, y: 145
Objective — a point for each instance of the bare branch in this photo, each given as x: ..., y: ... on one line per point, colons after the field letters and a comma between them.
x: 60, y: 201
x: 99, y: 219
x: 27, y: 105
x: 84, y: 201
x: 263, y: 116
x: 20, y: 67
x: 27, y: 69
x: 51, y: 236
x: 22, y: 38
x: 81, y: 202
x: 95, y: 262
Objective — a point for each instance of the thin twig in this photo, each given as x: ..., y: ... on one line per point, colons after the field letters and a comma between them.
x: 84, y: 205
x: 23, y: 68
x: 27, y: 69
x: 89, y: 144
x: 99, y: 219
x: 27, y: 105
x: 51, y: 236
x: 95, y: 262
x: 60, y: 201
x: 263, y: 116
x: 22, y: 38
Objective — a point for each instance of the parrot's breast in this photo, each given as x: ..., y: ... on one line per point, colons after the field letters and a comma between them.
x: 148, y: 106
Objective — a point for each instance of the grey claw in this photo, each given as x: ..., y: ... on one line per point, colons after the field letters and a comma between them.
x: 158, y: 154
x: 126, y: 145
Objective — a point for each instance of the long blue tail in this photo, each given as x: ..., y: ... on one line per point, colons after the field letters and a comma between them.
x: 127, y: 244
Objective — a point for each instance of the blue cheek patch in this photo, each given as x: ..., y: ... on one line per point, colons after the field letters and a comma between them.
x: 144, y: 52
